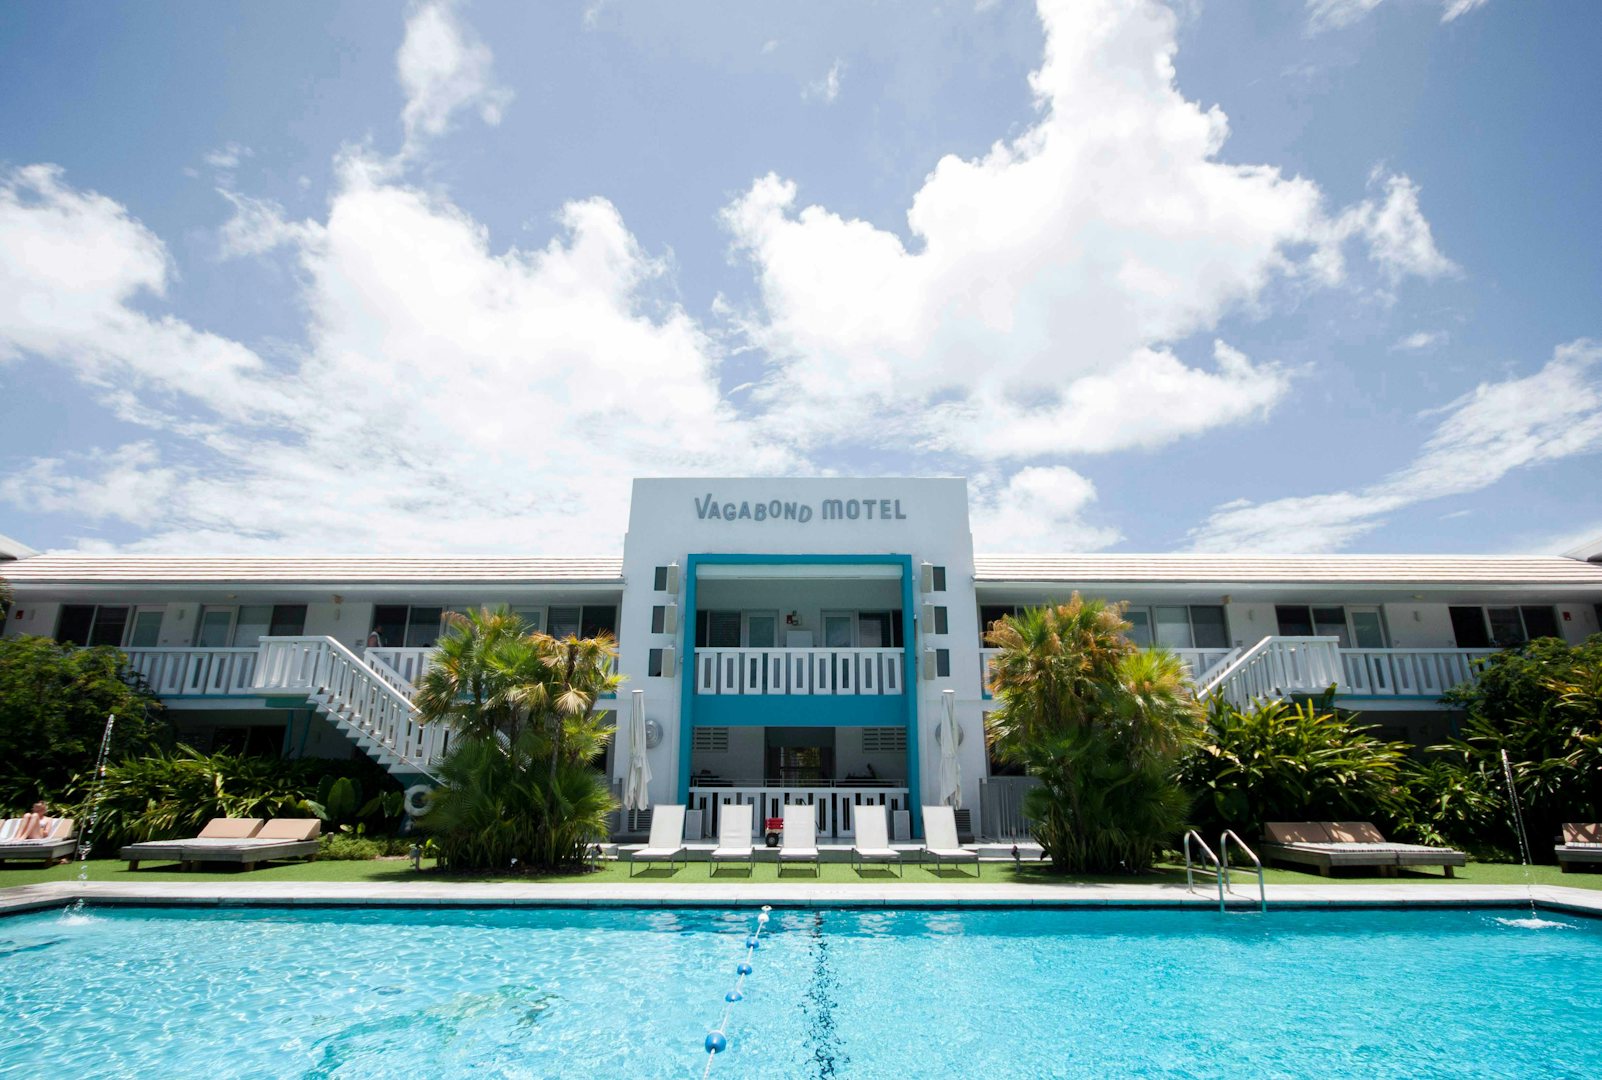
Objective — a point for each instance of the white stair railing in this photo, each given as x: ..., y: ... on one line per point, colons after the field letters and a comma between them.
x: 1275, y: 668
x: 355, y: 696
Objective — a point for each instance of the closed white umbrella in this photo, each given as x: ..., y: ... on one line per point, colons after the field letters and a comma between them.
x: 950, y: 771
x: 637, y: 788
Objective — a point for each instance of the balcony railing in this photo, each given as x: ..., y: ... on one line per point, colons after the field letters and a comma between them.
x: 1408, y: 672
x: 799, y: 671
x: 178, y: 672
x: 834, y: 803
x: 1199, y: 662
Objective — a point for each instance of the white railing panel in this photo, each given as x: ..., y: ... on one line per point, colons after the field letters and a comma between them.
x: 834, y: 804
x: 179, y: 672
x: 408, y: 663
x: 759, y: 672
x: 1408, y: 672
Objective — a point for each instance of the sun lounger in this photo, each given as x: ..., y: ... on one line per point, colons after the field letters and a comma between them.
x: 280, y: 838
x: 1582, y: 843
x: 940, y: 839
x: 57, y: 844
x: 734, y: 838
x: 800, y: 841
x: 873, y: 839
x: 666, y: 842
x: 216, y: 830
x: 1326, y: 845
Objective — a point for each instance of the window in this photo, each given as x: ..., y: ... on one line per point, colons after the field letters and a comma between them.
x: 659, y: 580
x: 90, y: 624
x: 598, y: 619
x: 942, y: 663
x: 533, y: 618
x: 659, y: 619
x: 990, y: 614
x: 412, y: 627
x: 938, y: 574
x: 941, y: 621
x: 710, y: 740
x: 717, y: 629
x: 1299, y: 620
x: 1176, y: 626
x: 147, y: 628
x: 256, y: 621
x: 884, y: 740
x: 565, y: 621
x: 1501, y: 627
x: 215, y: 628
x: 653, y: 664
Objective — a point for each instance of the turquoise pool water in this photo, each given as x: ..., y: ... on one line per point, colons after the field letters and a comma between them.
x: 631, y: 993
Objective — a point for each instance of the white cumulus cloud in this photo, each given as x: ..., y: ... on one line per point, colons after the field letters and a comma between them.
x: 1037, y: 509
x: 1031, y: 309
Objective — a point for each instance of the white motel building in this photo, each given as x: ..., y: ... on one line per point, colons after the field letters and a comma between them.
x: 794, y: 639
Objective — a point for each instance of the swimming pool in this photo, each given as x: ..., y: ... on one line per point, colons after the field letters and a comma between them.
x: 837, y: 993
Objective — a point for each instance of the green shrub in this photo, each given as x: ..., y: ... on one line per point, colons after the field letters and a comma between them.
x: 345, y: 847
x: 161, y: 797
x: 1542, y: 703
x: 1294, y: 762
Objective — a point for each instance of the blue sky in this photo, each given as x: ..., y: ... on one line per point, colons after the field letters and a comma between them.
x: 1212, y: 275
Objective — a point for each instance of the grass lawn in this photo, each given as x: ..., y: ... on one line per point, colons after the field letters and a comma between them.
x: 380, y: 871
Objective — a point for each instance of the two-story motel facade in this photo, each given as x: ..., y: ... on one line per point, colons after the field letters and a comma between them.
x: 790, y: 639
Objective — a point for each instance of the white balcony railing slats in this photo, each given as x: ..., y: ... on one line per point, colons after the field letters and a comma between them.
x: 834, y: 803
x: 799, y: 671
x: 1408, y: 672
x: 178, y: 672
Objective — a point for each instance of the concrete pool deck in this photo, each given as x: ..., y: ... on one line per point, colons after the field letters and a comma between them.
x: 24, y: 898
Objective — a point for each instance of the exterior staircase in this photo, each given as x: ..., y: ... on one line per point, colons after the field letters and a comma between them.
x: 366, y: 699
x: 1274, y: 669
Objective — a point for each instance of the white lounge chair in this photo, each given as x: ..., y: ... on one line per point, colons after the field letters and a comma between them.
x: 666, y: 842
x: 217, y: 831
x: 58, y: 843
x: 734, y: 838
x: 800, y: 842
x: 940, y: 839
x: 873, y: 838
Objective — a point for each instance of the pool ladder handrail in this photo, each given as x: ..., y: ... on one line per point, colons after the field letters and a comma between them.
x: 1223, y: 877
x: 1190, y: 877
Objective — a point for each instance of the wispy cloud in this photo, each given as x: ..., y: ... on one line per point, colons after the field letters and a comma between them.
x: 826, y: 89
x: 1329, y: 14
x: 444, y: 68
x: 1421, y: 340
x: 1553, y: 414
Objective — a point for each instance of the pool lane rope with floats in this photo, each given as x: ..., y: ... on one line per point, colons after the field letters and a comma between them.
x: 717, y: 1040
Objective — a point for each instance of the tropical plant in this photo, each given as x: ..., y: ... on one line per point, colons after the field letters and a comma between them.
x: 54, y: 701
x: 519, y: 785
x: 163, y: 796
x: 1283, y: 761
x: 1102, y: 724
x: 1541, y: 702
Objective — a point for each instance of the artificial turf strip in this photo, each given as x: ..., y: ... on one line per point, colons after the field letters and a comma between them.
x: 380, y: 871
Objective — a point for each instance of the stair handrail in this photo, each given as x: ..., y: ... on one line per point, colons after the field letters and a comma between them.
x: 313, y: 670
x: 387, y: 672
x: 1190, y: 879
x: 1202, y: 678
x: 1245, y: 659
x: 1223, y: 847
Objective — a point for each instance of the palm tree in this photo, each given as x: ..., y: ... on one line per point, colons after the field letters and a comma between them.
x: 460, y: 686
x: 520, y: 782
x: 1101, y: 723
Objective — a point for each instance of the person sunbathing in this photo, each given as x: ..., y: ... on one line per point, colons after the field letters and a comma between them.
x: 36, y: 823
